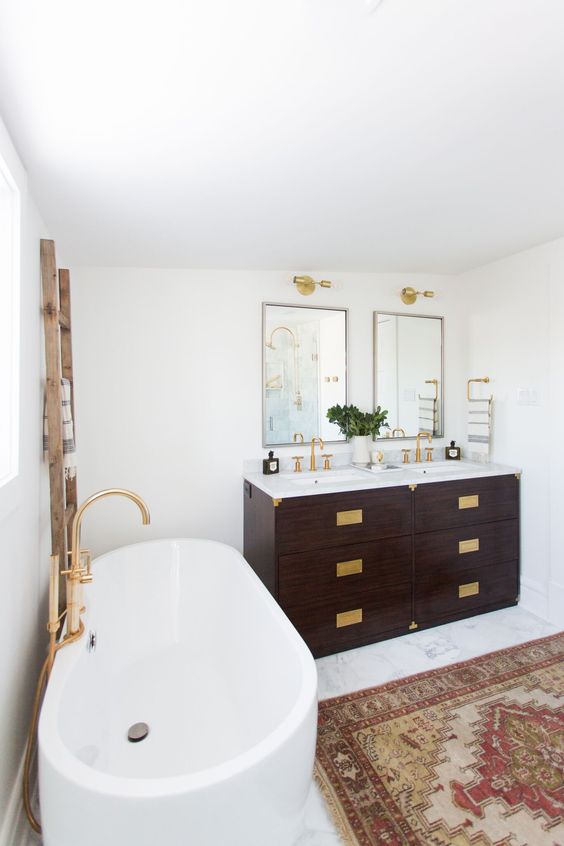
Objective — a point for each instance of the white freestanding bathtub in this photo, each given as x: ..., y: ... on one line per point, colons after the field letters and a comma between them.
x: 190, y: 642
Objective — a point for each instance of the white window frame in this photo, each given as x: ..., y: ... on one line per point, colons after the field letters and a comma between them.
x: 10, y: 403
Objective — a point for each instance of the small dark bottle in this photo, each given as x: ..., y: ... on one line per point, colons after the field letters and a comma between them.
x: 270, y: 465
x: 452, y: 452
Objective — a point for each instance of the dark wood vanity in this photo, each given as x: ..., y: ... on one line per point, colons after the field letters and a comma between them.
x: 352, y: 568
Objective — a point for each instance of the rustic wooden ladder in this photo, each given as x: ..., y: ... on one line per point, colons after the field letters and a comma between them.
x: 58, y: 365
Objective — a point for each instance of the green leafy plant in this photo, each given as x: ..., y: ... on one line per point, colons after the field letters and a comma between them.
x: 352, y: 421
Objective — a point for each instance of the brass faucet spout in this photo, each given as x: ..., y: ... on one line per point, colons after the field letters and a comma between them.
x: 76, y: 574
x: 418, y: 447
x: 312, y: 460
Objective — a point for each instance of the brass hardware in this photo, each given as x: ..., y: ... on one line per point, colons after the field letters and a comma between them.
x: 472, y: 501
x: 409, y: 295
x: 471, y: 589
x: 326, y: 456
x: 349, y: 518
x: 334, y: 378
x: 348, y: 618
x: 276, y: 502
x: 434, y: 382
x: 403, y: 435
x: 79, y: 574
x: 326, y: 378
x: 418, y: 445
x: 412, y: 487
x: 312, y: 460
x: 271, y: 346
x: 429, y: 451
x: 468, y: 546
x: 298, y: 399
x: 412, y: 626
x: 271, y: 384
x: 380, y: 456
x: 349, y: 568
x: 295, y: 437
x: 485, y: 379
x: 406, y: 455
x: 298, y: 464
x: 518, y: 476
x: 306, y: 285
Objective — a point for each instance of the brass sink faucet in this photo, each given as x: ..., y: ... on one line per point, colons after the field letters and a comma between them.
x: 312, y: 461
x: 418, y: 447
x: 78, y: 575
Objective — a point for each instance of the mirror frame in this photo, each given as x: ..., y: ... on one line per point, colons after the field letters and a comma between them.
x: 263, y: 364
x: 440, y: 434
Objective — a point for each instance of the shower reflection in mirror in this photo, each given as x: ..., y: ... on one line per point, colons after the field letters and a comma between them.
x: 408, y: 372
x: 304, y: 371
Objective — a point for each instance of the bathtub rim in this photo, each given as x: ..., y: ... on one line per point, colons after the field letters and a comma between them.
x: 56, y: 754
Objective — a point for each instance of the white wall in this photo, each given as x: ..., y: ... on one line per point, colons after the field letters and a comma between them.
x: 23, y: 524
x: 515, y: 316
x: 168, y: 369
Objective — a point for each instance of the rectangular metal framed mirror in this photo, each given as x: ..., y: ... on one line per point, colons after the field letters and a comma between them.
x: 304, y: 367
x: 409, y: 372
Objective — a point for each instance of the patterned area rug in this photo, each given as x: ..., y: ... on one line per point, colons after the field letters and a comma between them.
x: 468, y: 755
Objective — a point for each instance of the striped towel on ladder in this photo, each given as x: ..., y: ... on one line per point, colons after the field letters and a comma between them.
x: 69, y: 446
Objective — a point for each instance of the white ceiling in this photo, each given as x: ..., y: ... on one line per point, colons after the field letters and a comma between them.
x: 424, y: 135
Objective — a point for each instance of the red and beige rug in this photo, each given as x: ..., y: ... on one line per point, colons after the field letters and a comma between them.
x: 468, y: 755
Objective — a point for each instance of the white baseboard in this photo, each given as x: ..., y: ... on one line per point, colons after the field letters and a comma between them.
x: 556, y: 604
x: 15, y: 827
x: 534, y: 598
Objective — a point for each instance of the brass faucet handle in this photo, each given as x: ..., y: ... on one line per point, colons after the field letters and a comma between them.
x: 295, y: 437
x: 326, y: 456
x: 298, y: 464
x: 429, y: 451
x: 406, y: 455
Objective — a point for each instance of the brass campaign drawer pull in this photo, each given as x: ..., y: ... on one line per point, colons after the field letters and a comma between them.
x: 469, y: 501
x: 349, y: 568
x: 471, y: 589
x: 349, y: 518
x: 472, y: 545
x: 348, y: 618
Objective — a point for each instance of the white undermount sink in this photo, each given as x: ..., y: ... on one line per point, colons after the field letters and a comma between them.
x: 444, y: 468
x: 327, y: 477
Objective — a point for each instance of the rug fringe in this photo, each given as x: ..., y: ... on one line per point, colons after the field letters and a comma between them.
x: 337, y: 816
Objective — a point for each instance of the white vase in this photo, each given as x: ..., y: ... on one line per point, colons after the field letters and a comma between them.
x: 361, y: 449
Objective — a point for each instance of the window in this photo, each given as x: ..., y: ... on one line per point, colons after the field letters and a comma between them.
x: 9, y: 324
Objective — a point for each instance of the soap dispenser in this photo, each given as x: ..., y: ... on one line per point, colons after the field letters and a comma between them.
x: 452, y: 452
x: 270, y: 465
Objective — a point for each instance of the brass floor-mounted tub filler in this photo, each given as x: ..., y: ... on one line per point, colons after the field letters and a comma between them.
x: 77, y: 575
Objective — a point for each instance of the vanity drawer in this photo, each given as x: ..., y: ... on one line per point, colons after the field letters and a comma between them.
x: 331, y: 625
x: 340, y: 571
x: 466, y: 547
x: 442, y: 593
x: 316, y: 522
x: 444, y: 505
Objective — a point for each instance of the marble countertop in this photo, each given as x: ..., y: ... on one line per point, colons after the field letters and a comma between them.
x: 346, y: 478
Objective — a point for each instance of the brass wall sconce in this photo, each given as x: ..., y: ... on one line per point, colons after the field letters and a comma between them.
x: 306, y: 285
x: 409, y: 295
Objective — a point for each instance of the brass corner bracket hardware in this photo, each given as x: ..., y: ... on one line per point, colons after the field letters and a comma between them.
x: 412, y: 487
x: 518, y: 476
x: 276, y: 502
x: 412, y: 626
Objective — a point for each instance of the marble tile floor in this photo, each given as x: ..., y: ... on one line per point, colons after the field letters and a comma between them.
x: 381, y: 662
x: 394, y: 659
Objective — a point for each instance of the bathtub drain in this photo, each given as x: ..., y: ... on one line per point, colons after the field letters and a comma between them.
x: 137, y: 732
